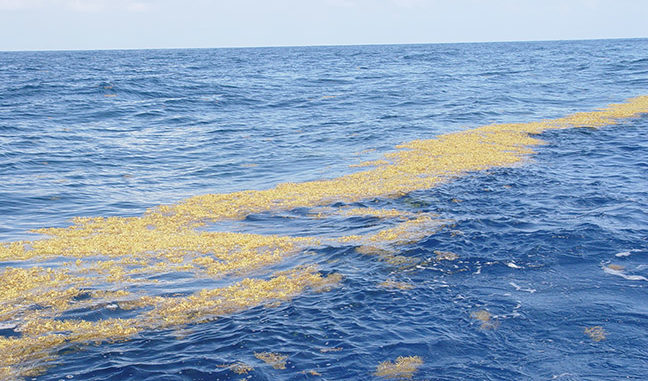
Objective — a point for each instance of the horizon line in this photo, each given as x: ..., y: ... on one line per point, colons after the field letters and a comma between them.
x: 319, y: 45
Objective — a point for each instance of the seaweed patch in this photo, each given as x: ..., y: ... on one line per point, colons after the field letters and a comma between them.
x: 105, y: 262
x: 402, y: 367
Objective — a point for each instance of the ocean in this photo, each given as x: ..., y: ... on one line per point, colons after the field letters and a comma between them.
x: 473, y: 211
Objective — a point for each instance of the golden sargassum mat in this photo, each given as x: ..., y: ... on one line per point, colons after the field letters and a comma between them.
x: 105, y: 263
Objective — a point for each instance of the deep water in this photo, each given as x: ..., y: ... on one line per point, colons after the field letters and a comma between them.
x: 112, y: 133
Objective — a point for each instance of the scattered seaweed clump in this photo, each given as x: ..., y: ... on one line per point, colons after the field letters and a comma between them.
x: 388, y: 242
x: 238, y: 367
x: 277, y: 360
x: 596, y: 333
x: 486, y: 318
x: 445, y: 255
x: 42, y: 337
x: 391, y: 283
x: 402, y: 367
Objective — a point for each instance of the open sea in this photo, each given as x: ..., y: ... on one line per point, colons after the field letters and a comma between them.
x: 535, y: 269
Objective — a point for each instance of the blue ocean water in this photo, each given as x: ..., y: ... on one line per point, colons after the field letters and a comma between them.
x: 112, y: 133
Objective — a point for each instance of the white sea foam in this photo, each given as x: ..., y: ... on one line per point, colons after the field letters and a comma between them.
x: 520, y: 288
x: 626, y: 253
x: 623, y: 275
x: 8, y: 325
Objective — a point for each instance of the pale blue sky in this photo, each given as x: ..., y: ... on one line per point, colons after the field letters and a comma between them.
x: 115, y: 24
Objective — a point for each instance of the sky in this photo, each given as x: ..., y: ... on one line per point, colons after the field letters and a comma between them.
x: 133, y: 24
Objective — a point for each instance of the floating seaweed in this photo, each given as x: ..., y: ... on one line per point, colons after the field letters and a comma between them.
x: 402, y: 367
x: 390, y: 283
x: 486, y: 318
x: 277, y: 360
x: 105, y: 262
x: 238, y: 367
x: 445, y: 255
x: 596, y: 333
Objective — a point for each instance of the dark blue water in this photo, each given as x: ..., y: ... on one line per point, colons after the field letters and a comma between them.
x: 103, y: 133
